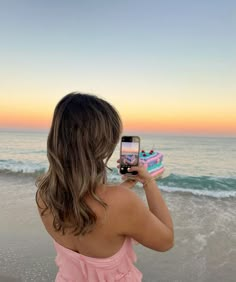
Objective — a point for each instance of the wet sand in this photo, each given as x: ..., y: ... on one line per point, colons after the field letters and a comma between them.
x: 205, y: 238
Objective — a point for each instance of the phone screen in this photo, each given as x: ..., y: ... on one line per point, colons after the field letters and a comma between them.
x: 129, y: 153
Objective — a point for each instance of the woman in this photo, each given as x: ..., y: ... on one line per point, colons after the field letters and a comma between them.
x: 92, y: 223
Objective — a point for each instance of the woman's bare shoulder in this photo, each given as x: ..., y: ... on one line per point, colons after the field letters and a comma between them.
x: 120, y: 192
x: 122, y: 199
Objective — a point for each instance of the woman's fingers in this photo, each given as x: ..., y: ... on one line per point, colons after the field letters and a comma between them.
x: 133, y: 168
x: 118, y: 161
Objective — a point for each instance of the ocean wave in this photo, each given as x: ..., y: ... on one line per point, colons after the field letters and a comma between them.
x: 212, y: 186
x: 201, y: 183
x: 27, y: 152
x: 214, y: 194
x: 22, y: 167
x: 19, y: 173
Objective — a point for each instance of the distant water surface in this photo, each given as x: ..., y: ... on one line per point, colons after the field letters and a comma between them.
x: 195, y: 164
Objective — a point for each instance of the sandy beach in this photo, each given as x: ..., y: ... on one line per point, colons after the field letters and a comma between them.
x: 205, y: 238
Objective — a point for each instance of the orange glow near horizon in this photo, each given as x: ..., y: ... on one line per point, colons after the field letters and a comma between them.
x: 165, y: 124
x: 183, y: 125
x: 173, y: 117
x: 25, y: 120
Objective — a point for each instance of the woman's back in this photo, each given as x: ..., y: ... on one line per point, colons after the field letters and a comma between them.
x: 102, y: 255
x: 104, y: 240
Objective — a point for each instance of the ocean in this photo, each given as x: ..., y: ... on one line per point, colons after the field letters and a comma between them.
x: 199, y: 187
x: 197, y: 165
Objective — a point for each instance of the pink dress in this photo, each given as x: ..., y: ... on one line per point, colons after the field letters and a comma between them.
x: 74, y: 267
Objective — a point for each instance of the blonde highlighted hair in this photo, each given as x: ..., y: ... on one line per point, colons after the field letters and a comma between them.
x: 84, y: 133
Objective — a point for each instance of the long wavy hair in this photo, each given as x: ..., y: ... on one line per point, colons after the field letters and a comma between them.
x: 84, y: 133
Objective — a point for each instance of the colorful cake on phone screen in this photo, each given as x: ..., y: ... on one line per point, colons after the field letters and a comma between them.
x: 153, y: 162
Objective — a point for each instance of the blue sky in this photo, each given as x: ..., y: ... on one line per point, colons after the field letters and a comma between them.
x: 150, y: 52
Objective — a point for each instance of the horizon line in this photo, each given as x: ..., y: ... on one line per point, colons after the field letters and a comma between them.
x: 132, y: 132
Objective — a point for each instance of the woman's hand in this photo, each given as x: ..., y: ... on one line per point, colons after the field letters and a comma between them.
x: 128, y: 182
x: 142, y: 176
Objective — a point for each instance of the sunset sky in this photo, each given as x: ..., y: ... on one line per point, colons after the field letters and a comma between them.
x: 167, y: 66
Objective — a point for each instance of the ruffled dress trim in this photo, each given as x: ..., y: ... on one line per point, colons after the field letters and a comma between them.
x: 75, y: 267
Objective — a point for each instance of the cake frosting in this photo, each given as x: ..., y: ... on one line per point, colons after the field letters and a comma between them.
x: 153, y: 162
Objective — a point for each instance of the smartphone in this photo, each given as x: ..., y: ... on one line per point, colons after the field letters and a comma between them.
x: 129, y: 153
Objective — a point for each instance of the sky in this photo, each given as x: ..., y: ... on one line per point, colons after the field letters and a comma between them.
x: 167, y: 66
